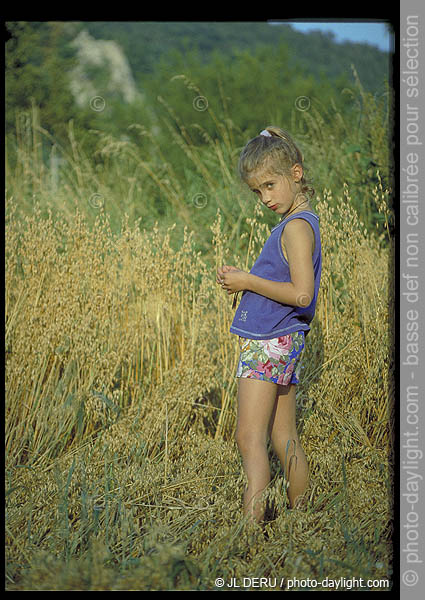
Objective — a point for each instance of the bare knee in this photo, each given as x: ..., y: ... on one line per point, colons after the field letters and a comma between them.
x: 243, y: 439
x: 249, y: 441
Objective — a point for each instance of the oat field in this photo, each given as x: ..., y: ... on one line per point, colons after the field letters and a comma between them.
x: 121, y: 468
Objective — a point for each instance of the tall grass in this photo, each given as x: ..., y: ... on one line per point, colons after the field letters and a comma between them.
x: 121, y: 469
x: 160, y: 173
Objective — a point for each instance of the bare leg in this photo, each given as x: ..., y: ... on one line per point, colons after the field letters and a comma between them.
x: 286, y: 443
x: 256, y: 402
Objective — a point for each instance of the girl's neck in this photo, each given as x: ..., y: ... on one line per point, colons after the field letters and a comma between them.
x: 299, y: 207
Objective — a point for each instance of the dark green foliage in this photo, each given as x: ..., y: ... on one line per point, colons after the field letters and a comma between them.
x: 204, y: 90
x: 259, y: 68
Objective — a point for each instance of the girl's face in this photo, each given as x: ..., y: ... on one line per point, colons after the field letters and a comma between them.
x: 277, y: 192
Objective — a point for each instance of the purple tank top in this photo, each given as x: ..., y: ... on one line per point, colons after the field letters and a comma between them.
x: 258, y: 317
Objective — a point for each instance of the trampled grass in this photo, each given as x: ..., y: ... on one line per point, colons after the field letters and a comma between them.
x: 121, y: 468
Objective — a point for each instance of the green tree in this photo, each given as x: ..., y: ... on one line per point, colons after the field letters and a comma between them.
x: 38, y: 59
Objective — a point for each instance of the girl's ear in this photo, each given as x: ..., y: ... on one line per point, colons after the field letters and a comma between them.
x: 297, y: 172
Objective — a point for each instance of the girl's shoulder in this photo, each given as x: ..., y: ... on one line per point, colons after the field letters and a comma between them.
x: 302, y: 231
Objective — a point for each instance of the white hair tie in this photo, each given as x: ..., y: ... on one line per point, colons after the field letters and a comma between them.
x: 266, y: 133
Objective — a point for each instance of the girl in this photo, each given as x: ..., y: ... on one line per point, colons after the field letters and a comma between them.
x: 273, y: 316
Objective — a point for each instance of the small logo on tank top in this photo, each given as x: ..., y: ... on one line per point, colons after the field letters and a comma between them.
x: 244, y: 314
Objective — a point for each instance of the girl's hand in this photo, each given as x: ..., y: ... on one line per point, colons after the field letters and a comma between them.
x: 222, y: 270
x: 231, y: 279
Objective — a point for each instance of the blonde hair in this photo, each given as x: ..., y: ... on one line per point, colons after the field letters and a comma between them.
x: 273, y: 150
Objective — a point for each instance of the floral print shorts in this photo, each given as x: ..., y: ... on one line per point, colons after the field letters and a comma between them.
x: 277, y: 360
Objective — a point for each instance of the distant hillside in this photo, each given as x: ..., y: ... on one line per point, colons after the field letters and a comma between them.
x: 145, y: 43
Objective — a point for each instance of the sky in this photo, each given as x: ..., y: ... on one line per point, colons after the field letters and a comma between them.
x: 373, y: 33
